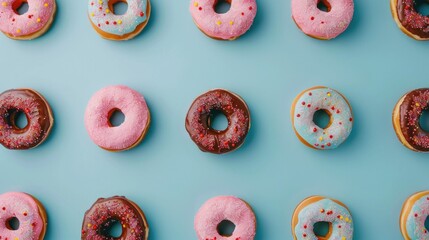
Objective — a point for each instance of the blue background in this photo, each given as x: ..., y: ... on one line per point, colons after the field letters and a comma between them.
x: 373, y: 64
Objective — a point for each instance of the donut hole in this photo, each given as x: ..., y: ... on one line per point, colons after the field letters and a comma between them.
x: 324, y: 5
x: 322, y: 118
x: 322, y: 229
x: 217, y: 120
x: 424, y: 120
x: 12, y: 223
x: 112, y: 229
x: 222, y: 6
x: 20, y: 7
x: 116, y: 118
x: 225, y: 228
x: 422, y: 7
x: 118, y: 7
x: 17, y: 119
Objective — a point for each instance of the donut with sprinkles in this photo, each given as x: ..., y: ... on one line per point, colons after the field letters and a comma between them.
x: 414, y: 213
x: 317, y: 209
x: 409, y: 20
x: 30, y: 25
x: 406, y: 120
x: 307, y: 103
x: 112, y: 26
x: 225, y: 26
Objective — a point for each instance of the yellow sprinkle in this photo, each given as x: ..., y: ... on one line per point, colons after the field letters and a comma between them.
x: 417, y: 104
x: 4, y: 4
x: 46, y: 4
x: 341, y: 217
x: 322, y: 210
x: 343, y: 238
x: 124, y: 226
x: 329, y: 94
x: 119, y: 21
x: 107, y: 11
x: 38, y: 20
x: 196, y: 4
x: 89, y: 225
x: 347, y: 219
x: 100, y: 2
x: 18, y: 30
x: 218, y: 23
x: 321, y: 138
x: 16, y: 238
x: 231, y: 23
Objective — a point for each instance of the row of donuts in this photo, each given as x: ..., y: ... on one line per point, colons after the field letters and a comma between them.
x: 319, y: 22
x: 198, y: 122
x: 105, y: 212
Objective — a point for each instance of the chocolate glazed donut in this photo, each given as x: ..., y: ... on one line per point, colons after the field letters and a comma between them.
x: 38, y: 114
x: 409, y: 20
x: 106, y: 211
x: 199, y: 127
x: 406, y: 120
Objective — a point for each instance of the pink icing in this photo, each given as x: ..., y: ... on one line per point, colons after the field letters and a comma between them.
x: 221, y: 208
x: 25, y: 208
x: 227, y: 26
x: 317, y: 23
x: 130, y: 103
x: 39, y: 14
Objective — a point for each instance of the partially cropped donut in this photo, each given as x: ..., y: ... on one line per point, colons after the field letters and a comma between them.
x: 226, y: 26
x: 99, y: 110
x: 119, y: 27
x: 221, y: 208
x: 409, y: 20
x: 317, y: 209
x: 30, y: 213
x: 320, y: 24
x: 107, y: 211
x: 39, y: 119
x: 32, y: 24
x: 414, y: 213
x: 199, y: 127
x: 334, y: 104
x: 406, y: 120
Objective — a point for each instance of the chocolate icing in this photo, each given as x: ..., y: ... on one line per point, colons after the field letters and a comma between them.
x: 106, y: 211
x: 411, y: 20
x: 410, y: 111
x: 218, y: 141
x: 37, y: 111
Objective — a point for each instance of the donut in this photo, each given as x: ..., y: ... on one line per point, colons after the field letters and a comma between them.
x: 221, y: 208
x: 409, y: 20
x: 334, y: 104
x: 118, y: 27
x: 413, y: 216
x: 320, y: 24
x: 199, y: 127
x: 318, y: 209
x: 226, y: 26
x: 32, y: 24
x: 406, y: 116
x: 107, y: 211
x: 30, y: 213
x: 39, y: 119
x: 100, y: 108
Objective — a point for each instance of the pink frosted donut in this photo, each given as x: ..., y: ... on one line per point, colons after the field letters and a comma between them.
x: 226, y: 26
x: 29, y: 212
x: 221, y: 208
x: 32, y: 24
x: 320, y: 24
x: 99, y: 110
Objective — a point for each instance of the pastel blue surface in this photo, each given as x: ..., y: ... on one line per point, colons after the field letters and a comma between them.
x: 373, y: 63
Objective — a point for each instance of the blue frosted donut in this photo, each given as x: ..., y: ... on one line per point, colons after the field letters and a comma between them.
x: 334, y: 104
x: 413, y: 216
x: 320, y: 209
x: 118, y: 27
